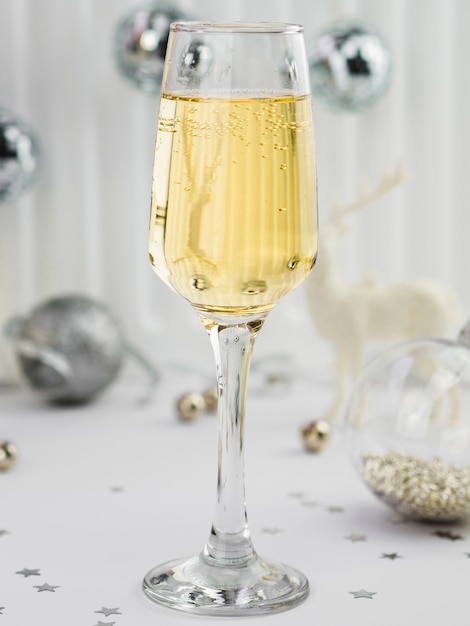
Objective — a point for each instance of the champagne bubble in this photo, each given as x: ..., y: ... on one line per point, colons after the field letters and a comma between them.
x: 292, y: 263
x: 254, y: 287
x: 199, y: 282
x: 167, y: 125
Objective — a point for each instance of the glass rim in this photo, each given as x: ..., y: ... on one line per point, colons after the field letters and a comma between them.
x: 267, y: 28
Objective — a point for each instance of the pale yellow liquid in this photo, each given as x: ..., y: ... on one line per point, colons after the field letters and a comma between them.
x: 233, y: 226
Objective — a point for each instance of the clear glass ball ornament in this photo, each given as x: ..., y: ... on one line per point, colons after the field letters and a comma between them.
x: 407, y: 428
x: 350, y: 66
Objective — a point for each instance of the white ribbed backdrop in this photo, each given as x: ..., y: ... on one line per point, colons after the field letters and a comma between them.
x: 83, y: 228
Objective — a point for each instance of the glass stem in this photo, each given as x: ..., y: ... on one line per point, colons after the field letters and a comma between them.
x: 229, y: 541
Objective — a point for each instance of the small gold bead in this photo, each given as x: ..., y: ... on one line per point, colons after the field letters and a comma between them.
x: 315, y: 435
x: 210, y: 398
x: 8, y: 454
x: 190, y: 406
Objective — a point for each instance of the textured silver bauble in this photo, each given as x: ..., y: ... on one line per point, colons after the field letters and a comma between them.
x: 69, y: 348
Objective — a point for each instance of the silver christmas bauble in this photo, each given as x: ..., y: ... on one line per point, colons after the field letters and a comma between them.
x: 19, y: 157
x: 69, y: 348
x: 350, y: 67
x: 195, y: 63
x: 140, y: 44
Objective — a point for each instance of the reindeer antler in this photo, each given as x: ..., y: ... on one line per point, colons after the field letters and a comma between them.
x: 390, y: 179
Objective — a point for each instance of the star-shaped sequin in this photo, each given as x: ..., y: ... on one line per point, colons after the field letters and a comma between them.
x: 107, y: 612
x: 362, y: 593
x: 28, y: 572
x: 447, y: 534
x: 390, y: 555
x: 46, y: 587
x: 271, y: 530
x: 355, y: 538
x: 296, y: 495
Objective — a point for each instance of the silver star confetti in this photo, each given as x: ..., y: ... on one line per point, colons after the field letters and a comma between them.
x: 107, y: 612
x: 271, y: 531
x: 355, y: 538
x: 391, y: 555
x: 362, y: 593
x: 29, y: 572
x: 46, y: 587
x: 335, y: 509
x: 297, y: 495
x: 447, y: 534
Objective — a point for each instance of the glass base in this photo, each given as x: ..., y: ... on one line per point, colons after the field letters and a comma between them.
x: 202, y: 587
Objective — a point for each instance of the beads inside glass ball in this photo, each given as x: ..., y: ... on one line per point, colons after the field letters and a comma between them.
x: 407, y: 427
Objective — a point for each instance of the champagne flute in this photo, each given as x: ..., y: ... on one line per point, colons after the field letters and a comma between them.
x: 233, y: 229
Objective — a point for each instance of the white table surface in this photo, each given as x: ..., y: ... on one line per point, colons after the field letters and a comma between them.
x: 101, y: 493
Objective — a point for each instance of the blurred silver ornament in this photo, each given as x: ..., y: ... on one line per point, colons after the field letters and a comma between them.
x: 195, y: 63
x: 19, y: 157
x: 140, y: 44
x: 350, y: 66
x: 69, y: 348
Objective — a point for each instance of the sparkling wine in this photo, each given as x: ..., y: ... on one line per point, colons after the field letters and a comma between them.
x: 233, y: 224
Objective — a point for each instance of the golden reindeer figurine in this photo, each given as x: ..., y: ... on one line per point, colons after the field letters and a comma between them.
x: 349, y: 316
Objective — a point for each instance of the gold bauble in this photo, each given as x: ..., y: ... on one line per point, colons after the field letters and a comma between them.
x: 8, y: 454
x: 190, y: 406
x: 315, y: 435
x: 210, y: 398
